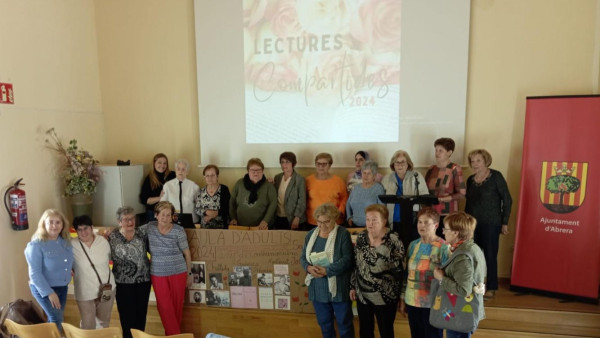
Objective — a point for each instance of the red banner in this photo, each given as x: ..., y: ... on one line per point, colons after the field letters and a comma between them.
x: 557, y: 245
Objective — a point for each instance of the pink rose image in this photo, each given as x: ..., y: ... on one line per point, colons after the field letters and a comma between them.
x: 284, y: 21
x: 377, y: 25
x: 325, y: 16
x: 257, y: 10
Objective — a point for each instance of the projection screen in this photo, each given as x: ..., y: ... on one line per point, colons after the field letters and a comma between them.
x: 331, y: 76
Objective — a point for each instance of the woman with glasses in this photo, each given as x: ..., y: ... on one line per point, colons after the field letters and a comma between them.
x: 253, y: 199
x: 328, y: 258
x: 460, y: 276
x: 91, y: 269
x: 355, y: 177
x: 212, y: 202
x: 403, y: 181
x: 363, y: 195
x: 323, y: 187
x: 131, y: 268
x: 291, y: 195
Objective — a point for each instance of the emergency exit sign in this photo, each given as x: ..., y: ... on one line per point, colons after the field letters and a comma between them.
x: 6, y: 93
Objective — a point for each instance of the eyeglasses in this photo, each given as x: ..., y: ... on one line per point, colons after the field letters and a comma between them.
x: 325, y: 222
x: 400, y: 163
x: 128, y: 219
x: 255, y: 171
x: 322, y: 164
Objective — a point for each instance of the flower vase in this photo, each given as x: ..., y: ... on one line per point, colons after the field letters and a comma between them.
x: 82, y: 204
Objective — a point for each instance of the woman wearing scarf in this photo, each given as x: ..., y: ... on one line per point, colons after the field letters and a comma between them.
x: 253, y: 200
x: 328, y: 258
x: 377, y: 278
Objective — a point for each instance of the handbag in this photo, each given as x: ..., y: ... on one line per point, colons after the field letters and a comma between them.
x: 105, y: 290
x: 21, y: 312
x: 452, y: 312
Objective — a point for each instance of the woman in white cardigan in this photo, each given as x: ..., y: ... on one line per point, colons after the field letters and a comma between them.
x: 403, y: 181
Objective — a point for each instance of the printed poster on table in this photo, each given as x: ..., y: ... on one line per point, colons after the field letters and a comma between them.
x: 557, y: 234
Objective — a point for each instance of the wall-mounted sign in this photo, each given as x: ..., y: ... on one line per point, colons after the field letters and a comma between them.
x: 6, y: 93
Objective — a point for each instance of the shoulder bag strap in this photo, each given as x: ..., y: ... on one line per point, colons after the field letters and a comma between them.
x: 93, y: 267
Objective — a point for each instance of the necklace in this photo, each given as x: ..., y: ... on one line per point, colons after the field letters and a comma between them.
x: 479, y: 179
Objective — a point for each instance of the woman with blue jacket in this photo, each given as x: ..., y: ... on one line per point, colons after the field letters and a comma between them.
x: 50, y: 259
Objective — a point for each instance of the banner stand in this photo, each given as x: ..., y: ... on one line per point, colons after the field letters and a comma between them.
x: 557, y: 251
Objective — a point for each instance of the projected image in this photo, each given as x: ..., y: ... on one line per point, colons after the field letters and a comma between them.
x: 319, y: 71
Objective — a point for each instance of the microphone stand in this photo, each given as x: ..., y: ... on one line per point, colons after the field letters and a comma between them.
x: 416, y: 184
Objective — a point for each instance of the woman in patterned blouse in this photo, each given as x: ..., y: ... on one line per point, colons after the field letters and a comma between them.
x: 445, y: 180
x: 424, y: 255
x: 131, y: 267
x: 377, y: 279
x: 212, y: 203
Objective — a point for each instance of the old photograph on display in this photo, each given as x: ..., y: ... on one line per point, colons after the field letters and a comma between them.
x: 244, y: 275
x: 282, y: 285
x: 215, y: 281
x: 198, y: 275
x: 233, y: 279
x: 282, y: 302
x: 218, y: 298
x: 264, y: 279
x: 197, y: 297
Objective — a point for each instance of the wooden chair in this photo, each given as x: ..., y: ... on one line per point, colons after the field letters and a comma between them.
x: 32, y: 330
x: 141, y: 334
x: 72, y: 331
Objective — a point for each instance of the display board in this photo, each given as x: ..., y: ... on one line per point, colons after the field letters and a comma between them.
x: 248, y: 269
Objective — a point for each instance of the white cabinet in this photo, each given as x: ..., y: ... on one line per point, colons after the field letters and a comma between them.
x: 119, y: 186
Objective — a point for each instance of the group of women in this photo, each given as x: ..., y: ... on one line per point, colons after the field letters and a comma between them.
x: 376, y: 275
x: 52, y: 255
x: 369, y: 273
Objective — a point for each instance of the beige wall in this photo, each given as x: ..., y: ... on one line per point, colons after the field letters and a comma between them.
x: 49, y: 53
x: 518, y: 48
x: 142, y: 63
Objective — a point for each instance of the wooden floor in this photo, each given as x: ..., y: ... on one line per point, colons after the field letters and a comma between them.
x: 508, y: 315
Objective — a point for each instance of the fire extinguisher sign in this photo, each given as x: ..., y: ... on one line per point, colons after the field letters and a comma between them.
x: 6, y: 93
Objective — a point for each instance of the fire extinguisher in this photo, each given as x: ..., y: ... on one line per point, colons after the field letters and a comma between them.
x: 18, y: 206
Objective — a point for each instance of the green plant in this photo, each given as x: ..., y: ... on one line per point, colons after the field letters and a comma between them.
x: 80, y: 171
